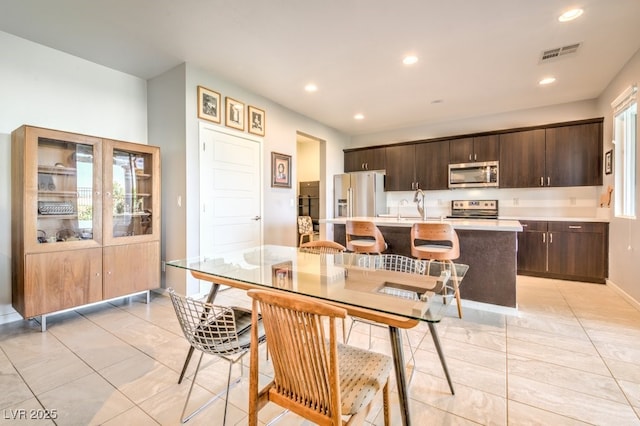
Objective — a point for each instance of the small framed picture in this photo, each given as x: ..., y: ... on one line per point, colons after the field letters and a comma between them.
x: 282, y: 275
x: 234, y: 113
x: 208, y: 104
x: 280, y: 170
x: 608, y: 162
x: 256, y: 121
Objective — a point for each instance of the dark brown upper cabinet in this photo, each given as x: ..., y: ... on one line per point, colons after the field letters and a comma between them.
x: 557, y: 156
x: 364, y: 159
x: 474, y: 149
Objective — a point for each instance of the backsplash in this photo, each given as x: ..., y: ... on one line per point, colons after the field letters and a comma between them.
x: 569, y: 202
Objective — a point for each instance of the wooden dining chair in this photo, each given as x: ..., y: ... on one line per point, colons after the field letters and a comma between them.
x: 364, y: 237
x: 438, y: 242
x: 314, y: 376
x: 322, y: 247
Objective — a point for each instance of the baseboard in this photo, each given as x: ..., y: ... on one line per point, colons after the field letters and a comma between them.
x: 504, y: 310
x: 10, y: 317
x: 626, y: 296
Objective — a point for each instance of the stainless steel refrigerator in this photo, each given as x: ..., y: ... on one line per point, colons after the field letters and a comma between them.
x: 359, y: 194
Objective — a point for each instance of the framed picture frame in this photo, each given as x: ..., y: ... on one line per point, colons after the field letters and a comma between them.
x: 234, y: 114
x: 280, y: 170
x: 208, y: 104
x: 256, y: 120
x: 282, y: 275
x: 608, y: 162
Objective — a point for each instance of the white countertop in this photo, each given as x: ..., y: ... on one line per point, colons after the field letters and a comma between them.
x: 471, y: 224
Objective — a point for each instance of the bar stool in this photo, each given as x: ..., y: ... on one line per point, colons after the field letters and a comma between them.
x: 364, y: 237
x: 439, y: 242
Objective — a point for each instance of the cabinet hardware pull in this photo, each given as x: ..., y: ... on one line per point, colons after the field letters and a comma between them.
x: 544, y: 238
x: 548, y: 181
x: 575, y: 227
x: 475, y: 157
x: 541, y: 180
x: 469, y: 157
x: 256, y: 218
x: 550, y: 238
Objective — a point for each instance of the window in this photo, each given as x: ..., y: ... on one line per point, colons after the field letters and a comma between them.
x: 625, y: 113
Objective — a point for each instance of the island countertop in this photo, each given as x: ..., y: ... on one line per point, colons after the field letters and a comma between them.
x: 407, y: 222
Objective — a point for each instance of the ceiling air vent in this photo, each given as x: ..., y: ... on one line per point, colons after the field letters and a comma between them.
x: 559, y: 52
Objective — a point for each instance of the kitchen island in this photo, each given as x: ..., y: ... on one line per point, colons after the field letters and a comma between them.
x: 488, y: 246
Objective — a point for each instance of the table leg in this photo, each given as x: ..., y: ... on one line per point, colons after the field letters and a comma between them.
x: 398, y: 360
x: 436, y: 342
x: 210, y: 298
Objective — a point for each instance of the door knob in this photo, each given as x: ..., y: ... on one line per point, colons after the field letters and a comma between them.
x: 256, y: 218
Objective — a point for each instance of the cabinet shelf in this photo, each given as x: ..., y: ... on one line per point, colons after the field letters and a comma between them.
x: 57, y: 170
x: 57, y: 216
x: 63, y: 194
x: 135, y: 214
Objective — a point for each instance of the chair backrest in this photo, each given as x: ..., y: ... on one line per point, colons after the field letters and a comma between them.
x: 438, y: 241
x: 393, y: 262
x: 305, y: 225
x: 358, y: 232
x: 207, y: 327
x: 305, y: 362
x: 322, y: 247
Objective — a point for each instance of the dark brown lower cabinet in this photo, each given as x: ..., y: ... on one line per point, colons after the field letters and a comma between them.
x: 566, y: 250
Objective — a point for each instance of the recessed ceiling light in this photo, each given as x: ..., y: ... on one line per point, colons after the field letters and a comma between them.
x: 570, y: 15
x: 546, y: 80
x: 311, y: 87
x: 410, y: 60
x: 359, y: 116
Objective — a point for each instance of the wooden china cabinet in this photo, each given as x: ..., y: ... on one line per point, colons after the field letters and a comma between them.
x: 85, y: 220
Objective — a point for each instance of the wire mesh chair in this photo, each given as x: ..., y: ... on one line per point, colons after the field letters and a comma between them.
x: 216, y: 330
x: 389, y: 262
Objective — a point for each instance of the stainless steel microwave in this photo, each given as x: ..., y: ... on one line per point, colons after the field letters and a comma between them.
x: 474, y: 175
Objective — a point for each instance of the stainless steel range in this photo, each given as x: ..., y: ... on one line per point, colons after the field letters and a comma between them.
x: 474, y: 209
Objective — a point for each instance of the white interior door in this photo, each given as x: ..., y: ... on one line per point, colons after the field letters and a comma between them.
x: 230, y: 191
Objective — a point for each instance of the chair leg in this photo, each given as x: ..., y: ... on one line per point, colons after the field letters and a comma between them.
x: 385, y: 404
x: 184, y: 419
x: 456, y: 290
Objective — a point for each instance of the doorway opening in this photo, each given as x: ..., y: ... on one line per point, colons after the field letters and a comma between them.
x: 311, y: 181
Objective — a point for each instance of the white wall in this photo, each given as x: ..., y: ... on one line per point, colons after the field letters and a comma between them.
x: 522, y: 118
x: 624, y: 238
x: 48, y: 88
x: 175, y: 129
x: 308, y: 163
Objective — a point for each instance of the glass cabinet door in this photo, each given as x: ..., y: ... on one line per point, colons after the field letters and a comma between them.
x: 66, y: 200
x: 131, y: 179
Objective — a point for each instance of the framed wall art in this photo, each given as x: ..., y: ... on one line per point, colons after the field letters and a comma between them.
x: 608, y: 162
x: 208, y: 104
x: 234, y: 114
x: 280, y: 170
x: 256, y: 121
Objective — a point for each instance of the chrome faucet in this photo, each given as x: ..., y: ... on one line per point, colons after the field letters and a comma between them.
x: 418, y: 198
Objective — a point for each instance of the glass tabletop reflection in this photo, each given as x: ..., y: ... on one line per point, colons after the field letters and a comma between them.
x: 359, y: 280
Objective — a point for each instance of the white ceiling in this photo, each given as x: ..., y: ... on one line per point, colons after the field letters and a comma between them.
x: 479, y: 57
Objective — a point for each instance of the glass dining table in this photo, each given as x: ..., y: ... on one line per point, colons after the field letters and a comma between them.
x: 360, y: 283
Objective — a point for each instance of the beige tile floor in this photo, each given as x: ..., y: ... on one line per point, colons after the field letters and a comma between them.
x: 570, y: 356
